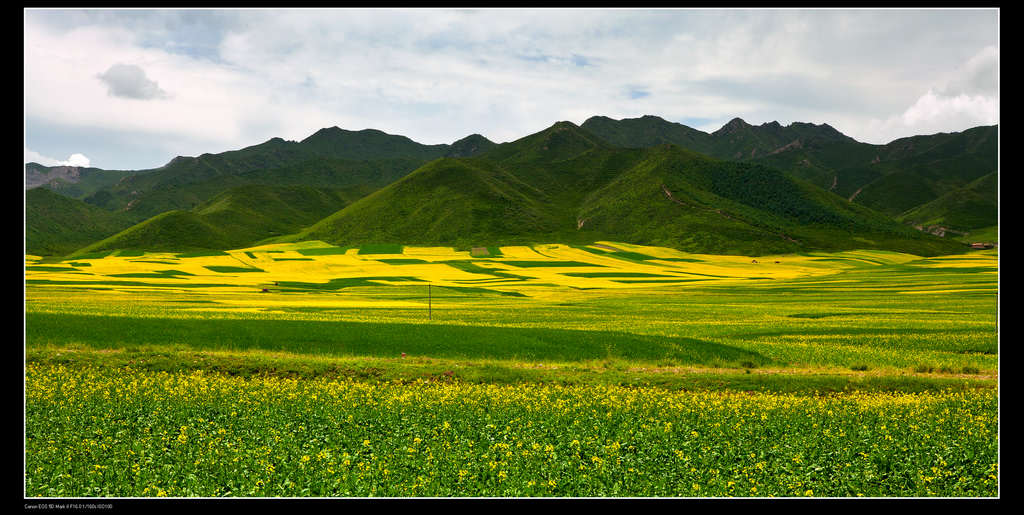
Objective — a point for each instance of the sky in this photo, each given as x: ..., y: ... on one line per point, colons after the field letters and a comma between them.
x: 132, y: 89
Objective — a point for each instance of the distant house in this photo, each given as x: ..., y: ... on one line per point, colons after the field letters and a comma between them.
x: 982, y: 245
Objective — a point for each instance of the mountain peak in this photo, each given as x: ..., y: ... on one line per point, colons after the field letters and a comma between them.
x: 564, y: 125
x: 366, y: 144
x: 177, y: 160
x: 561, y: 141
x: 469, y: 146
x: 325, y: 132
x: 597, y: 118
x: 471, y: 137
x: 734, y: 125
x: 821, y: 131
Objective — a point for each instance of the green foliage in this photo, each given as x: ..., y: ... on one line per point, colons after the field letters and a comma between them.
x: 984, y: 234
x: 368, y: 144
x: 891, y: 178
x: 613, y: 274
x: 565, y: 184
x: 380, y: 248
x: 238, y: 217
x: 89, y: 181
x: 202, y: 253
x: 157, y: 273
x: 648, y: 131
x: 170, y: 231
x: 323, y: 251
x: 469, y: 146
x: 546, y: 263
x: 127, y: 433
x: 57, y: 225
x: 448, y: 201
x: 231, y: 269
x: 917, y: 170
x: 330, y: 158
x: 975, y: 206
x: 770, y: 388
x: 337, y: 284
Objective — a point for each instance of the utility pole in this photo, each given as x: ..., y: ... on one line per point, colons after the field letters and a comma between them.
x: 430, y: 315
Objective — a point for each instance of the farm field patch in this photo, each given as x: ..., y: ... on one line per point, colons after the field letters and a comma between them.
x: 196, y: 434
x: 897, y: 354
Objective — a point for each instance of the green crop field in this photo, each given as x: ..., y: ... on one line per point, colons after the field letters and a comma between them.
x: 546, y: 370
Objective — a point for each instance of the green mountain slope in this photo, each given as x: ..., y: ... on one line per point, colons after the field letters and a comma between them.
x: 691, y: 202
x: 924, y: 168
x: 565, y: 184
x: 808, y: 151
x: 517, y: 192
x: 365, y: 176
x: 449, y: 200
x: 469, y: 146
x: 238, y: 217
x: 180, y: 184
x: 350, y: 163
x: 56, y: 225
x: 367, y: 144
x: 736, y: 140
x: 964, y: 209
x: 186, y: 181
x: 742, y: 189
x: 72, y: 181
x: 891, y: 178
x: 648, y: 131
x: 170, y: 231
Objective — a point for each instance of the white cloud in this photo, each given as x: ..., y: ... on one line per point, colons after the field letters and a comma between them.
x: 933, y: 113
x: 968, y: 97
x: 932, y: 109
x: 77, y: 160
x: 130, y: 81
x: 436, y: 75
x: 32, y: 156
x: 208, y: 107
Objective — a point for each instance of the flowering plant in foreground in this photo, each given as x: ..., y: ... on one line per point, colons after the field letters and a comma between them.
x: 124, y: 432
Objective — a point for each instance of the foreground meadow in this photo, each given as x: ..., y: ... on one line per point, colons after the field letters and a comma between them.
x: 111, y: 432
x: 605, y: 370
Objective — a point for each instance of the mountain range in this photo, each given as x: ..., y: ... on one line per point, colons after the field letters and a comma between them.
x: 742, y: 189
x: 892, y: 178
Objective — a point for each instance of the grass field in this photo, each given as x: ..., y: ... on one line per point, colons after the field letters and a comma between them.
x: 646, y: 371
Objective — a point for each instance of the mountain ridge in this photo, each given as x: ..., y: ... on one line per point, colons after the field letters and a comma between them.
x: 128, y: 190
x: 237, y: 217
x: 546, y: 184
x: 893, y: 178
x: 517, y: 192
